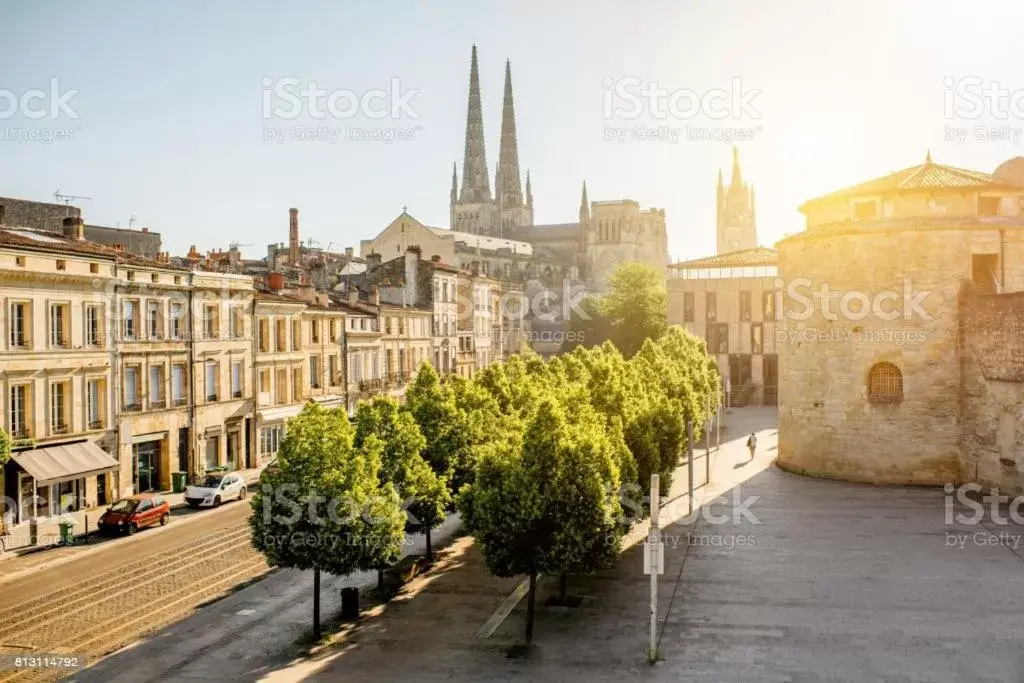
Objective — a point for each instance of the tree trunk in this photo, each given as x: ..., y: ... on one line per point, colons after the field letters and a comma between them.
x: 316, y: 605
x: 430, y: 548
x: 529, y: 607
x: 563, y: 587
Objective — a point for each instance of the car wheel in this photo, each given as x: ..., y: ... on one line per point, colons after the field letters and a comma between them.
x: 163, y: 520
x: 132, y: 528
x: 241, y: 494
x: 216, y: 502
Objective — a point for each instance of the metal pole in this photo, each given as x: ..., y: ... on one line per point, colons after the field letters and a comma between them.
x: 718, y: 427
x: 653, y: 540
x: 689, y: 459
x: 707, y: 445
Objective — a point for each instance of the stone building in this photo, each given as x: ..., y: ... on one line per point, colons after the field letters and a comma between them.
x: 405, y: 342
x: 49, y: 217
x: 890, y: 370
x: 736, y: 219
x: 222, y: 370
x: 362, y: 347
x: 281, y: 368
x: 731, y: 301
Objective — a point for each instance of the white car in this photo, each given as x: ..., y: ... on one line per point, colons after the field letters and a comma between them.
x: 215, y: 489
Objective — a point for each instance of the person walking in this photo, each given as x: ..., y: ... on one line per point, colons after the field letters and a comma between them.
x: 752, y: 444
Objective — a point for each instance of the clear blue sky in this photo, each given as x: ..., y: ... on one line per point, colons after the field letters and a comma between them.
x: 170, y: 128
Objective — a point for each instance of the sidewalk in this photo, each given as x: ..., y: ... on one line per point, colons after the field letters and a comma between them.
x: 18, y: 540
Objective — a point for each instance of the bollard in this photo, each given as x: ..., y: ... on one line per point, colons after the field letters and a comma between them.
x: 349, y: 603
x: 33, y: 532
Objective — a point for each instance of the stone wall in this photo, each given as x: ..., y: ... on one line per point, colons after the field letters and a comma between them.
x: 827, y: 425
x: 993, y: 391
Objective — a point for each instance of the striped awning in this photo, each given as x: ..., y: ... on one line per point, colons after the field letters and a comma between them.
x: 56, y: 464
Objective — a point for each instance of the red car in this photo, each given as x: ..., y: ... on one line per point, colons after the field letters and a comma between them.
x: 128, y: 515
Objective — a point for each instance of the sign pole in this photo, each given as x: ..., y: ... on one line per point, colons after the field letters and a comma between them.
x: 654, y: 566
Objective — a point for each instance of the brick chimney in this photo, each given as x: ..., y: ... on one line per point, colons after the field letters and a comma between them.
x: 74, y: 228
x: 353, y: 297
x: 411, y: 284
x: 306, y: 292
x: 373, y: 261
x: 293, y: 235
x: 375, y: 296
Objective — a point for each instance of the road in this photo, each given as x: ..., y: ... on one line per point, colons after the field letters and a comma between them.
x: 95, y: 603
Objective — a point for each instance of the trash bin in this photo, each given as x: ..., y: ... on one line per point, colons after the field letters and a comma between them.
x: 349, y: 603
x: 178, y: 481
x: 66, y: 537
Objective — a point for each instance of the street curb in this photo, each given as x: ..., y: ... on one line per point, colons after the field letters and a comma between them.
x: 58, y: 561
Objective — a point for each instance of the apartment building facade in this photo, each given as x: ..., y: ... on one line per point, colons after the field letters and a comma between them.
x: 363, y: 347
x: 280, y: 368
x: 406, y: 343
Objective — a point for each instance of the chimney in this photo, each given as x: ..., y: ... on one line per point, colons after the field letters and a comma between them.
x: 293, y: 235
x: 412, y: 262
x: 348, y: 250
x: 323, y: 298
x: 372, y: 261
x: 435, y: 258
x: 353, y: 297
x: 74, y: 228
x: 306, y: 292
x: 375, y: 296
x: 275, y: 280
x: 145, y: 231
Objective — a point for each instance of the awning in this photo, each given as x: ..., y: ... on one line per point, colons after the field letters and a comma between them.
x: 146, y: 438
x: 56, y: 464
x: 278, y: 414
x: 330, y: 400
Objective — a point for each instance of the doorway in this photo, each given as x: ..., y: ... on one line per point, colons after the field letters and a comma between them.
x: 771, y: 379
x: 212, y: 452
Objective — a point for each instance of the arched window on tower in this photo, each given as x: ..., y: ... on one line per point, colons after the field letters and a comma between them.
x: 885, y: 383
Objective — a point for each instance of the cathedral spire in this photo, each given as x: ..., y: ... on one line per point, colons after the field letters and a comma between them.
x: 453, y: 198
x: 584, y: 205
x: 529, y: 191
x: 476, y: 186
x: 737, y: 178
x: 509, y: 191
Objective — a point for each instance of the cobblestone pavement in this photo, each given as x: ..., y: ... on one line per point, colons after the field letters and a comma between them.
x: 93, y: 605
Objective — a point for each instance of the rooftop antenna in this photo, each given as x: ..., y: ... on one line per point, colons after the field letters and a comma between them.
x: 67, y: 199
x: 131, y: 222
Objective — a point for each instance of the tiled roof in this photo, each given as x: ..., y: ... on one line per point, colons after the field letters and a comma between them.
x: 277, y: 297
x: 758, y: 256
x: 55, y: 242
x: 926, y: 176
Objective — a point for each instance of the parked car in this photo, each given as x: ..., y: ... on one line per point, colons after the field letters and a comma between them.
x: 215, y: 489
x: 128, y: 515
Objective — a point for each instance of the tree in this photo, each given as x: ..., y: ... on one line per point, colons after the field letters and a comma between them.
x: 587, y: 326
x: 546, y: 502
x: 324, y: 506
x: 425, y: 493
x: 635, y: 305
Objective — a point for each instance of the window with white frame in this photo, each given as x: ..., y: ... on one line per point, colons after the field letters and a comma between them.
x: 94, y: 325
x: 94, y: 403
x: 211, y: 381
x: 178, y: 384
x: 21, y: 324
x: 60, y: 326
x: 131, y: 319
x: 132, y: 394
x: 59, y: 407
x: 156, y: 386
x: 236, y: 379
x: 20, y: 411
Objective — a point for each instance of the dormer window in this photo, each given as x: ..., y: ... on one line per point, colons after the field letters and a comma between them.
x: 865, y: 210
x: 988, y: 206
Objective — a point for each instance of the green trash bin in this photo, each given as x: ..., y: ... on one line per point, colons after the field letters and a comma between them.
x: 66, y: 535
x: 178, y: 481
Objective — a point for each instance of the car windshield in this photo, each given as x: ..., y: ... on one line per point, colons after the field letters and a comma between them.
x: 212, y: 482
x: 124, y: 505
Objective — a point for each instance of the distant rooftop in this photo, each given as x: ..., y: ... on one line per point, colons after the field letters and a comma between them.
x: 758, y: 256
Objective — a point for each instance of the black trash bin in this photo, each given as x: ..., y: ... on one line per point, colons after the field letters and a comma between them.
x: 349, y: 603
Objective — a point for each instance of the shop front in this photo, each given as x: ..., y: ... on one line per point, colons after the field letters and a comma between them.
x: 55, y: 480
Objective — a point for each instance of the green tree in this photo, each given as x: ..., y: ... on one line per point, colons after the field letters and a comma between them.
x: 587, y: 326
x: 324, y: 506
x: 425, y: 494
x: 634, y: 305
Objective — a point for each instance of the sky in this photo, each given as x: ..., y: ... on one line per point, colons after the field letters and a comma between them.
x: 166, y: 111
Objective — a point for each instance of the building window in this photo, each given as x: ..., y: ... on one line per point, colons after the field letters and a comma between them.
x: 210, y: 321
x: 156, y: 386
x: 688, y: 307
x: 296, y: 335
x: 281, y: 333
x: 131, y: 389
x: 178, y: 385
x: 333, y: 378
x: 745, y: 306
x: 718, y: 338
x: 711, y: 300
x: 19, y: 261
x: 21, y: 325
x: 62, y: 264
x: 281, y: 386
x: 237, y: 322
x: 264, y: 381
x: 297, y: 394
x: 865, y: 210
x: 154, y: 278
x: 94, y: 403
x: 177, y: 321
x: 314, y: 372
x: 93, y: 326
x: 60, y: 331
x: 988, y: 206
x: 756, y: 338
x: 211, y: 382
x: 885, y: 383
x: 20, y: 411
x: 263, y: 335
x: 131, y: 319
x: 153, y: 319
x: 236, y: 379
x: 131, y: 276
x: 270, y: 439
x: 334, y: 331
x: 768, y: 308
x: 983, y: 272
x: 314, y: 331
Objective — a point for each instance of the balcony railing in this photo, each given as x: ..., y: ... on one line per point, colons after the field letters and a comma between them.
x: 371, y: 385
x: 132, y: 407
x: 59, y: 428
x: 21, y: 432
x: 95, y: 424
x: 211, y: 398
x: 236, y: 394
x: 178, y: 402
x: 158, y: 404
